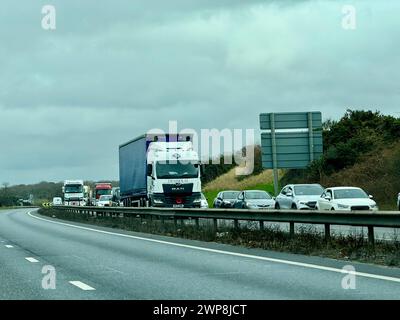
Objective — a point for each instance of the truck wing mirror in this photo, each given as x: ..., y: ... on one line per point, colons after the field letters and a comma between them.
x: 149, y: 169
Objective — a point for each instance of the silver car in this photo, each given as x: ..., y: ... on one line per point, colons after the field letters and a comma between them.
x: 299, y: 196
x: 255, y: 199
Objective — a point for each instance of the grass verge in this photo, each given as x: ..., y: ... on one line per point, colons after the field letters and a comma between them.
x: 307, y: 240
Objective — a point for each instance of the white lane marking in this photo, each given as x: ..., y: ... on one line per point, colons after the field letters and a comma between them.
x: 9, y: 246
x: 243, y: 255
x: 81, y: 285
x: 30, y: 259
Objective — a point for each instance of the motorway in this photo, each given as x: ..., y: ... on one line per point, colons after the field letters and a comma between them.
x: 101, y: 263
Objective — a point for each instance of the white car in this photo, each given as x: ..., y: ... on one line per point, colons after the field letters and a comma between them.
x: 346, y: 199
x: 299, y: 196
x: 204, y: 202
x: 104, y: 201
x: 57, y: 201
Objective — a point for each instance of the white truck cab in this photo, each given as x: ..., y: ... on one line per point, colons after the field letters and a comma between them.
x: 173, y: 175
x: 74, y: 193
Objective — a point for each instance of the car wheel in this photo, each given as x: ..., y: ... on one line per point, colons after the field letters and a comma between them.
x: 332, y: 209
x: 277, y: 206
x: 294, y: 207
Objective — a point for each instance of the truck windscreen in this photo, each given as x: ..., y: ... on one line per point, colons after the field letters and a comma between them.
x: 176, y: 170
x: 73, y: 188
x: 102, y: 192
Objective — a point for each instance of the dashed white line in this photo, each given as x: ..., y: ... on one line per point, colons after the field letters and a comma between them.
x: 30, y: 259
x: 81, y: 285
x: 229, y: 253
x: 9, y: 246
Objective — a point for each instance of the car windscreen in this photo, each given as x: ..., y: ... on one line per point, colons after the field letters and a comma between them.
x: 257, y: 195
x: 73, y: 188
x: 230, y: 195
x: 105, y: 198
x: 176, y: 170
x: 350, y: 194
x: 308, y: 190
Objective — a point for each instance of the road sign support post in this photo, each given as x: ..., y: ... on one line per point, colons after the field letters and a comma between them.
x: 274, y: 159
x: 311, y: 136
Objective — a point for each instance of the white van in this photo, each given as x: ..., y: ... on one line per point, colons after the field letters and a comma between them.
x: 57, y: 201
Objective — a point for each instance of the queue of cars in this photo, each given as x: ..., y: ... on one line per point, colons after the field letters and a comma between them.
x: 299, y: 197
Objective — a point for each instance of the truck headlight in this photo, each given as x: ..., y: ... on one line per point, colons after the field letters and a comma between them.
x: 343, y: 206
x: 158, y: 201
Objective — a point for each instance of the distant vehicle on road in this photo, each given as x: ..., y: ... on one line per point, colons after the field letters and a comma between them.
x: 104, y: 201
x: 204, y: 202
x: 57, y: 201
x: 116, y: 197
x: 299, y: 196
x: 102, y: 189
x: 74, y: 193
x: 346, y: 199
x: 254, y: 199
x: 226, y: 199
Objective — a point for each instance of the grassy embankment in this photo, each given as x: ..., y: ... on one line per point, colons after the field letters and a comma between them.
x: 229, y: 181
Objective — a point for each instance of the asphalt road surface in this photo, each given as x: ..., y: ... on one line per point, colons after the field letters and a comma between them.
x: 88, y: 262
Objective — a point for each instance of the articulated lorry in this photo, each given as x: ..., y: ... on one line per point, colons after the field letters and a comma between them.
x: 74, y: 193
x: 160, y: 171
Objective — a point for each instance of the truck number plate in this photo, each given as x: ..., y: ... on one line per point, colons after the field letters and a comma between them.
x: 177, y: 206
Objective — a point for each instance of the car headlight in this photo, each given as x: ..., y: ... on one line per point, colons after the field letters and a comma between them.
x: 302, y: 202
x: 374, y: 206
x: 226, y: 202
x: 343, y: 206
x: 250, y: 205
x: 158, y: 201
x: 197, y: 200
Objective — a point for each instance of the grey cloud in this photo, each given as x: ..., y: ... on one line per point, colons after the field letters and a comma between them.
x: 113, y: 70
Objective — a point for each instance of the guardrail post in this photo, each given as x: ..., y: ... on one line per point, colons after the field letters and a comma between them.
x: 261, y: 225
x: 371, y: 237
x: 197, y: 224
x: 236, y: 224
x: 291, y: 229
x: 215, y: 225
x: 175, y: 222
x: 327, y: 232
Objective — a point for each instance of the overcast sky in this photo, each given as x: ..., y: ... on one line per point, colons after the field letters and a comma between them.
x: 111, y: 70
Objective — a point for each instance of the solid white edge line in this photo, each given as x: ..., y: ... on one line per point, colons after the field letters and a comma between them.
x: 30, y: 259
x: 81, y: 285
x: 9, y: 246
x: 243, y: 255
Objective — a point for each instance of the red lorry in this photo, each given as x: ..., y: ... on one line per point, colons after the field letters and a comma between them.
x: 102, y: 189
